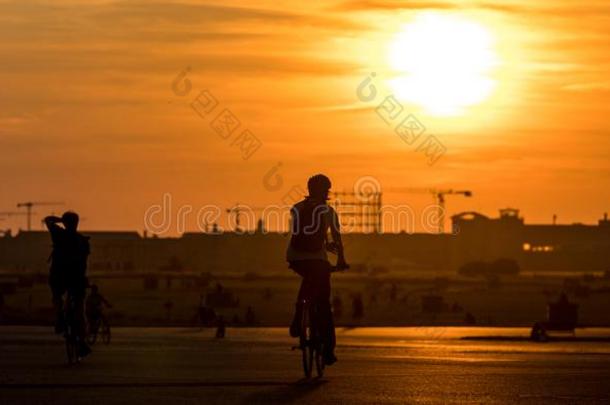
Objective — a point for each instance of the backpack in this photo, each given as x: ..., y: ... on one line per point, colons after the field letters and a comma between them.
x: 308, y: 226
x: 70, y: 254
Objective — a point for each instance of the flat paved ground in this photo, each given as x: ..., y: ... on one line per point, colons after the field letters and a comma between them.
x: 377, y: 365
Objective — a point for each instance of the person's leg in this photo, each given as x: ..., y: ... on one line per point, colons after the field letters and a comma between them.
x: 57, y: 292
x: 302, y: 269
x: 327, y: 326
x: 81, y: 323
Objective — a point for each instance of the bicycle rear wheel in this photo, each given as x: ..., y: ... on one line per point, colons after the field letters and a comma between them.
x: 317, y: 341
x: 305, y: 343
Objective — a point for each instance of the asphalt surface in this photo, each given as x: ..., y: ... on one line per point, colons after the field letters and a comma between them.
x: 376, y: 365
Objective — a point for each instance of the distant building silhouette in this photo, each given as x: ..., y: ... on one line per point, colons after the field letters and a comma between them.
x: 534, y: 247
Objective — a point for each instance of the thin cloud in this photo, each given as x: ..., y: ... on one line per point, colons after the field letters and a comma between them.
x: 368, y: 5
x: 587, y: 87
x: 592, y: 10
x: 208, y: 14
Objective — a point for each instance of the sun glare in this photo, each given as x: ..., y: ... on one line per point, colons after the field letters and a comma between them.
x: 442, y: 63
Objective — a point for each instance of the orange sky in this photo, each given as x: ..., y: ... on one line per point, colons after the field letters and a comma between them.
x: 88, y: 115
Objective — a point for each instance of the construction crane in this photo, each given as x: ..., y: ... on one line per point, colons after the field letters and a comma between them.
x: 28, y: 206
x: 10, y: 213
x: 439, y: 198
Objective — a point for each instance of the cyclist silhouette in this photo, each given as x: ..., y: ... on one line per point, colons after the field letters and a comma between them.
x: 312, y: 218
x: 67, y: 273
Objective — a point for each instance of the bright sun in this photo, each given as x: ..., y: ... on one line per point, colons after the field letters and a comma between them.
x: 442, y: 63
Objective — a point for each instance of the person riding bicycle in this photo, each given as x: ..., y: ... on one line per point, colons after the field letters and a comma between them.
x: 94, y: 306
x: 67, y: 273
x: 306, y: 254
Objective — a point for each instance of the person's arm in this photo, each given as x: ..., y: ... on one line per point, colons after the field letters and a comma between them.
x: 54, y: 229
x: 335, y: 232
x: 51, y: 222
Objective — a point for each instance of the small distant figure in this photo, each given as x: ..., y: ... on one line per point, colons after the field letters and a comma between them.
x: 94, y: 306
x: 357, y: 307
x: 220, y: 327
x: 68, y: 272
x: 250, y: 318
x: 373, y: 299
x: 469, y: 319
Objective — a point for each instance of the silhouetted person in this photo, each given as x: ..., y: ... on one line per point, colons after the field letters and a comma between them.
x: 250, y: 318
x: 312, y: 219
x: 469, y: 319
x: 68, y: 271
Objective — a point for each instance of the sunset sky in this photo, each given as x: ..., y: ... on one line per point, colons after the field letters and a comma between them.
x: 517, y: 92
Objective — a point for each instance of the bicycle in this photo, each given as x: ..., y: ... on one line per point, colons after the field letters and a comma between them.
x: 101, y: 327
x: 311, y: 342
